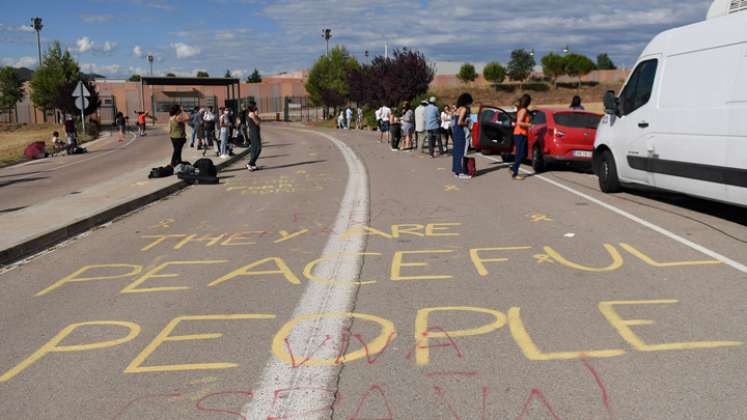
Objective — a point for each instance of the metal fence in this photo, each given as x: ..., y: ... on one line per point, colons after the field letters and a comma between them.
x: 286, y: 108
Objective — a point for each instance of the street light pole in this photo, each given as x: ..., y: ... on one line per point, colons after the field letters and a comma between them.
x: 327, y: 34
x: 150, y: 61
x: 36, y: 23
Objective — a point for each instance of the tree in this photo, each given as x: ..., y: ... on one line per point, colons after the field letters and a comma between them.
x: 134, y: 78
x: 328, y: 79
x: 604, y: 62
x: 467, y: 73
x: 200, y: 73
x: 11, y: 88
x: 553, y: 66
x: 521, y: 65
x: 494, y: 72
x: 577, y: 65
x: 391, y: 81
x: 57, y: 70
x: 228, y: 74
x: 169, y: 74
x: 255, y: 77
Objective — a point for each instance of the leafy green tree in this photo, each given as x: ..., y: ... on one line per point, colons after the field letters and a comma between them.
x: 467, y: 73
x: 57, y: 70
x: 553, y: 66
x: 328, y: 79
x: 255, y: 77
x: 604, y: 62
x: 494, y: 72
x: 521, y: 65
x: 11, y: 88
x: 200, y: 73
x: 134, y: 78
x: 227, y: 75
x: 577, y: 65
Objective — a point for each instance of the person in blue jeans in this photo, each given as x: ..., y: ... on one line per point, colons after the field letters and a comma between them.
x: 521, y: 135
x: 460, y: 120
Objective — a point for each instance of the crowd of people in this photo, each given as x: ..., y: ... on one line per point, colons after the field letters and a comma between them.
x: 345, y: 119
x: 431, y: 127
x: 211, y: 130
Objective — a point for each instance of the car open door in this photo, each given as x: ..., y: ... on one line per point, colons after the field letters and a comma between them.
x: 495, y: 130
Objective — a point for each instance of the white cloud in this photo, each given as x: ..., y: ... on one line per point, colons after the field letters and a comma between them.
x: 18, y: 62
x: 238, y: 73
x: 185, y: 51
x: 96, y: 18
x: 108, y: 46
x: 137, y: 51
x: 84, y: 45
x: 11, y: 28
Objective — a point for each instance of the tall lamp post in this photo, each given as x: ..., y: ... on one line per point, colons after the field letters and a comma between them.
x: 365, y: 53
x: 36, y: 23
x: 327, y: 34
x: 150, y: 62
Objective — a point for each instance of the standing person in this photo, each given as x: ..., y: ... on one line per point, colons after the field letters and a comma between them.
x: 141, y: 122
x: 208, y: 123
x: 408, y: 125
x: 71, y: 132
x: 446, y: 126
x: 433, y: 126
x: 521, y: 135
x: 225, y: 133
x: 341, y: 120
x: 377, y: 115
x: 459, y: 121
x: 177, y: 132
x: 254, y: 136
x: 576, y: 103
x: 119, y: 121
x: 359, y: 118
x: 242, y: 125
x: 395, y: 129
x: 420, y: 125
x: 386, y: 115
x: 200, y: 128
x: 348, y: 118
x: 195, y: 120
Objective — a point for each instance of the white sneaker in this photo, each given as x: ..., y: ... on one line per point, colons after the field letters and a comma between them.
x: 224, y: 156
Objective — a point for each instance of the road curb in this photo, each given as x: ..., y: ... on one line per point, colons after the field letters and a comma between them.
x: 54, y: 237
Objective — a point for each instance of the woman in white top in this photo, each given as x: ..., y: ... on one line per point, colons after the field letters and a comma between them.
x: 446, y: 115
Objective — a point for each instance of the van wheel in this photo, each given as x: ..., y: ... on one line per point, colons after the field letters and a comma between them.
x: 608, y: 180
x: 538, y: 160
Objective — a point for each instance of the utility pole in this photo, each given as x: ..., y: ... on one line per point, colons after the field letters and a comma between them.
x: 36, y: 23
x: 386, y: 50
x: 150, y: 61
x: 365, y: 53
x: 327, y: 34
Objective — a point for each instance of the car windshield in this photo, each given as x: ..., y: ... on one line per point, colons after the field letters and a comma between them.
x: 577, y: 120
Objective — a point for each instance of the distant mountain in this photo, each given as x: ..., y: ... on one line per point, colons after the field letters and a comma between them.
x: 24, y: 74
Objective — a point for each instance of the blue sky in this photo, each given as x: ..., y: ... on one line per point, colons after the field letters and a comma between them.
x: 112, y: 37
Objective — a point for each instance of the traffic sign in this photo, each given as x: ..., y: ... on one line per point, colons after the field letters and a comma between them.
x: 81, y: 90
x: 81, y: 103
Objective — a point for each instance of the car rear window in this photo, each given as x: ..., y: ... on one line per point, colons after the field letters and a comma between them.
x: 577, y: 120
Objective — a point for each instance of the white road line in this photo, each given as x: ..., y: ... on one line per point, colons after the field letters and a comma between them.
x: 319, y: 298
x: 669, y: 234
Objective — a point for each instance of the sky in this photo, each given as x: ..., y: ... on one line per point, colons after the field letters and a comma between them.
x: 113, y: 37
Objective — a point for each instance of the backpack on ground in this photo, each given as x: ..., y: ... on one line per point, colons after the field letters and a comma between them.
x: 184, y: 168
x: 469, y: 166
x: 161, y: 172
x: 77, y: 150
x: 205, y: 168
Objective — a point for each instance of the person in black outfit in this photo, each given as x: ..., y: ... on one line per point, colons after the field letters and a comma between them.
x: 255, y: 137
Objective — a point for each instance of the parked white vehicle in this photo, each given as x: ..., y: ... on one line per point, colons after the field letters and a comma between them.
x: 680, y: 121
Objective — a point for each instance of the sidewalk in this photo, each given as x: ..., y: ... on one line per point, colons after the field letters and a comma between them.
x: 38, y: 227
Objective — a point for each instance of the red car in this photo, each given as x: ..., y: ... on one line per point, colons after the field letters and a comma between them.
x: 558, y: 135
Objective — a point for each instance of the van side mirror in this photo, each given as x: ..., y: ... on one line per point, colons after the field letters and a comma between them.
x: 611, y: 103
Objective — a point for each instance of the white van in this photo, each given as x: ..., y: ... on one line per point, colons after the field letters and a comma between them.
x: 680, y: 121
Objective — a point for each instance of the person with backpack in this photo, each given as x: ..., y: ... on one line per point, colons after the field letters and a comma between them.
x: 120, y: 123
x: 177, y: 132
x: 255, y: 137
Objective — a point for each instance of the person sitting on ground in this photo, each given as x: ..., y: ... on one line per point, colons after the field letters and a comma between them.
x: 58, y: 144
x: 576, y: 103
x: 71, y: 132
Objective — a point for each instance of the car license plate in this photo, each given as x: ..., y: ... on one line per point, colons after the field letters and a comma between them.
x: 582, y: 153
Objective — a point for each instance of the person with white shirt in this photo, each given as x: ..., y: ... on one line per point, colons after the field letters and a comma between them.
x: 446, y: 126
x: 377, y: 114
x: 420, y: 125
x: 386, y: 114
x: 208, y: 119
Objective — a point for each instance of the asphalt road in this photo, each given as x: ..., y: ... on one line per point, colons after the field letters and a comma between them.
x: 34, y: 182
x: 347, y: 281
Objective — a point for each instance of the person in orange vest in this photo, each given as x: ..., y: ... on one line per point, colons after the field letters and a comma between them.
x: 141, y: 116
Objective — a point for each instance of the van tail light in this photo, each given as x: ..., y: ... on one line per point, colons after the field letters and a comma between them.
x: 558, y: 134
